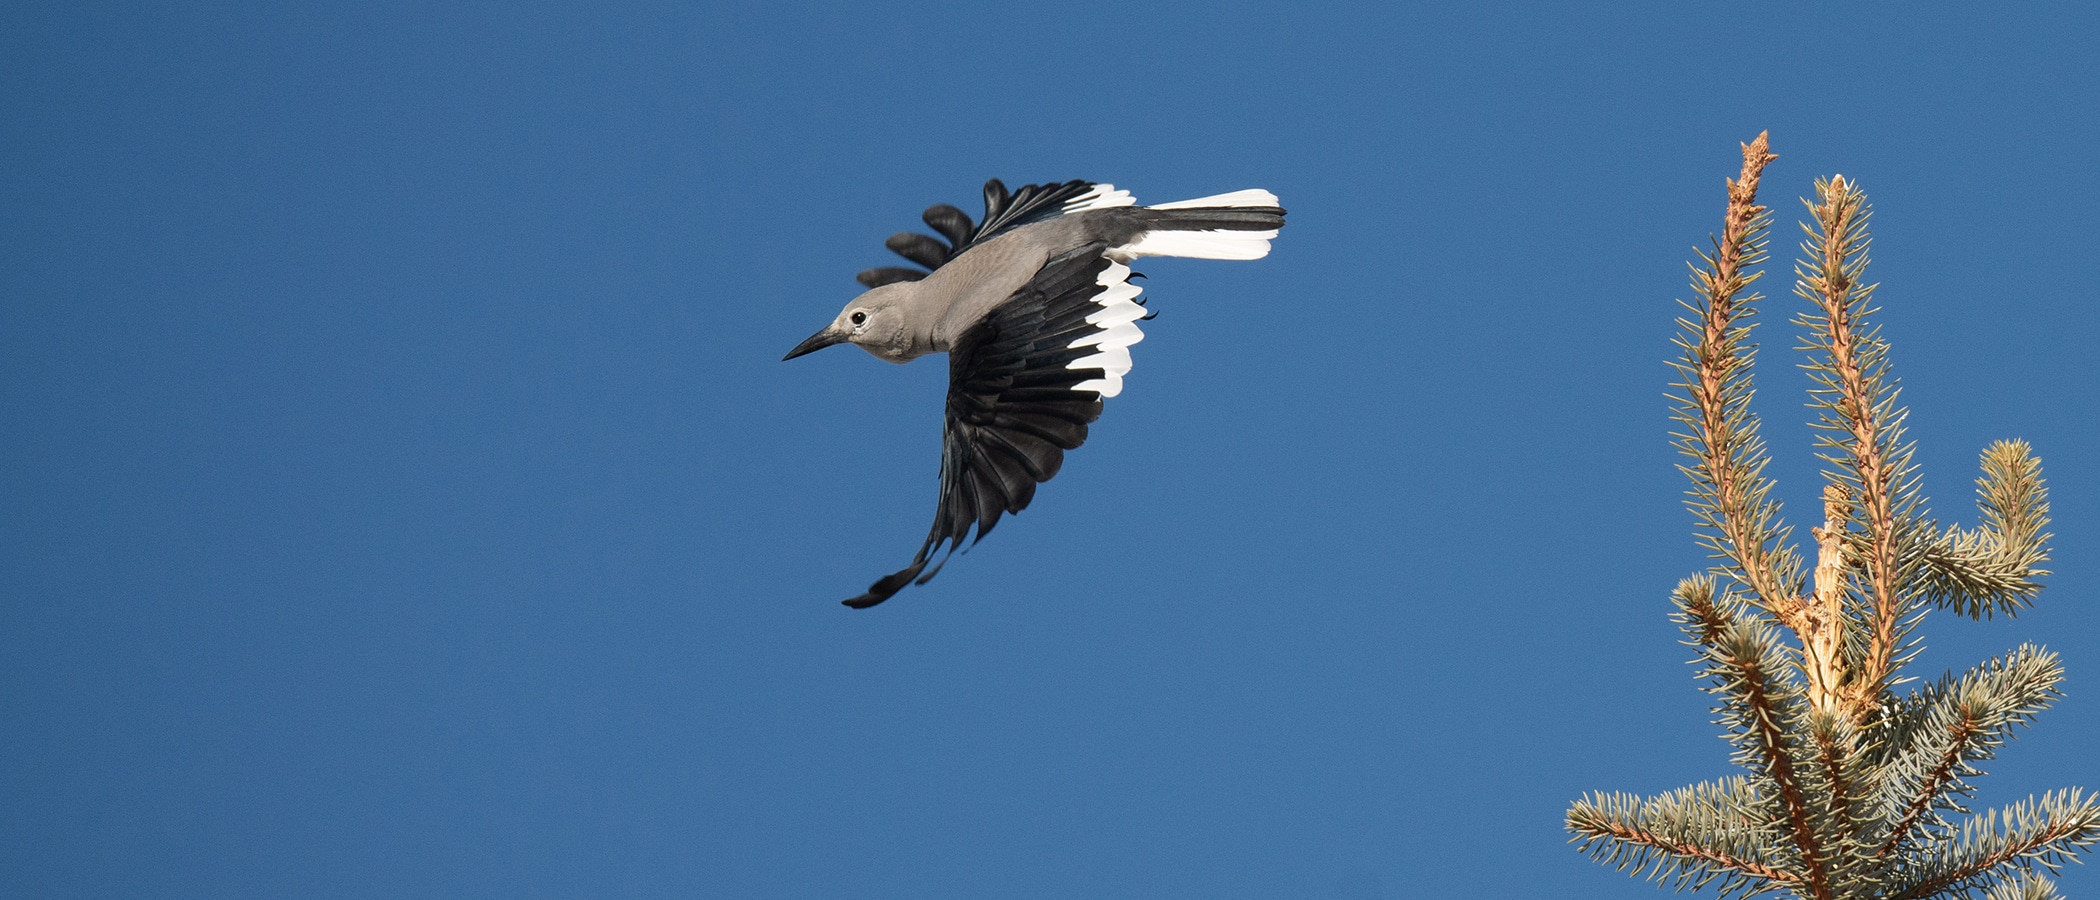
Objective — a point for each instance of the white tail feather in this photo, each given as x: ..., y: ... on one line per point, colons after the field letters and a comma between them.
x: 1219, y: 244
x: 1248, y: 197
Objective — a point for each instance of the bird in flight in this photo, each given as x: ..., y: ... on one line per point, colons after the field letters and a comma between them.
x: 1035, y: 309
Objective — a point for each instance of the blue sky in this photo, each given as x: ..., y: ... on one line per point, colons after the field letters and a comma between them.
x: 404, y: 496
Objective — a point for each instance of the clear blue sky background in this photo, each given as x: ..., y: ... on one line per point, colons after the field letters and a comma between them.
x: 404, y: 496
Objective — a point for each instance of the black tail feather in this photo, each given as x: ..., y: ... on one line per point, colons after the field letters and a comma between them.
x: 1222, y: 218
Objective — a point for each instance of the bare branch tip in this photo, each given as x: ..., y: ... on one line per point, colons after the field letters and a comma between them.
x: 1760, y: 149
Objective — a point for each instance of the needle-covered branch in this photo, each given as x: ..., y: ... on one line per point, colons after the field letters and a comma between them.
x: 1707, y: 835
x: 1861, y: 425
x: 1745, y: 665
x: 1935, y: 737
x: 1995, y: 567
x: 2026, y: 887
x: 2037, y: 833
x: 1730, y: 496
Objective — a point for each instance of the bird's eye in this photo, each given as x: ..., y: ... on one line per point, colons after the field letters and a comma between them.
x: 859, y: 317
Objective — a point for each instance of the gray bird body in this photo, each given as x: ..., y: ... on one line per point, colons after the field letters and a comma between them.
x: 937, y: 310
x: 1035, y: 309
x: 933, y: 313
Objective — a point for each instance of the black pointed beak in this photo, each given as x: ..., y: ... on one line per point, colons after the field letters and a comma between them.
x: 818, y: 341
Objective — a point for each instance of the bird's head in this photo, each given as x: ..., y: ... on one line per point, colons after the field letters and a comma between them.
x: 874, y: 321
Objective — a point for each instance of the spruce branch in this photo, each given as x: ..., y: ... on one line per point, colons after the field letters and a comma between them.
x: 1744, y: 662
x: 1840, y: 774
x: 1995, y: 567
x: 2037, y: 833
x: 2026, y: 887
x: 1730, y: 496
x: 1702, y: 615
x: 1861, y: 423
x: 1938, y: 735
x: 1711, y: 834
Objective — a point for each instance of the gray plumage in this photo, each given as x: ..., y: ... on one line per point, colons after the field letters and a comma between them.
x: 1035, y: 309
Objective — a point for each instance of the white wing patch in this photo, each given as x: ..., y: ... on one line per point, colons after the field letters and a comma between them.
x: 1103, y: 196
x: 1117, y: 323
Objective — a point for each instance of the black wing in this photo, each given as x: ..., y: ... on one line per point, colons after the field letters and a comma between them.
x: 1003, y: 211
x: 1020, y: 395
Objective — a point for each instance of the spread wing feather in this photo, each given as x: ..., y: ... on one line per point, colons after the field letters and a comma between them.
x: 952, y: 223
x: 1033, y: 203
x: 924, y: 249
x: 1014, y: 406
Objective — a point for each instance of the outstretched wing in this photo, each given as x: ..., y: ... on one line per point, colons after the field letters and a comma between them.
x: 1023, y: 384
x: 1003, y: 211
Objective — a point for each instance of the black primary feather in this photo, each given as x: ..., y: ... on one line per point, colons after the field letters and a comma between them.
x: 875, y: 278
x: 1032, y: 203
x: 996, y: 196
x: 1012, y: 411
x: 924, y: 249
x: 952, y: 223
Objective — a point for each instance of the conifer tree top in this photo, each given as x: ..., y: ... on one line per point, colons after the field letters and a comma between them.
x: 1850, y: 787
